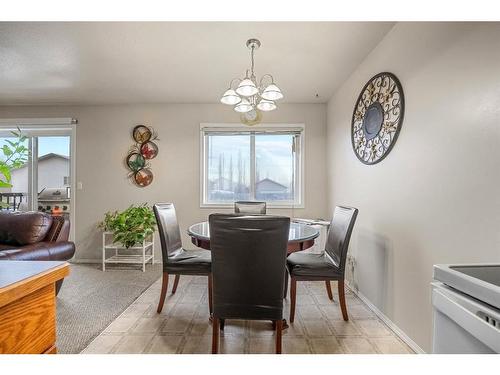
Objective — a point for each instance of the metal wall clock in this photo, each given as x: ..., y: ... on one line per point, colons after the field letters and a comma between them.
x: 377, y: 118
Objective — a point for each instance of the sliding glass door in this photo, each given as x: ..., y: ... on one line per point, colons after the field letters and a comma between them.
x: 42, y: 177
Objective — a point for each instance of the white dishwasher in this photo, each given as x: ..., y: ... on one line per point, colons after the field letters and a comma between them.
x: 466, y: 309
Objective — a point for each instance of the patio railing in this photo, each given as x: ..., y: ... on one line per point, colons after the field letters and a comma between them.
x: 11, y: 201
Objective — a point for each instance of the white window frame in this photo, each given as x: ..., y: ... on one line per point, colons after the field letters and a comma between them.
x: 49, y: 127
x: 299, y: 172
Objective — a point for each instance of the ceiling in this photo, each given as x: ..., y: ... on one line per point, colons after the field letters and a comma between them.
x: 175, y: 62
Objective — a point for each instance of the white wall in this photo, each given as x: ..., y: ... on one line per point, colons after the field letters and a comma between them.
x: 104, y: 138
x: 19, y: 180
x: 51, y: 173
x: 435, y: 198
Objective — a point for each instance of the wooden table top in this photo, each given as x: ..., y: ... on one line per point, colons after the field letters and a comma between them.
x: 18, y: 278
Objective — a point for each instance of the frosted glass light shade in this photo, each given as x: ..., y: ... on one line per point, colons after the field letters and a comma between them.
x: 247, y: 88
x: 272, y: 92
x: 266, y: 105
x: 230, y: 97
x: 243, y: 106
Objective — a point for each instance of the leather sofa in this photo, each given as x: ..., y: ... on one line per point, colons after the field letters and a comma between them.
x: 35, y: 236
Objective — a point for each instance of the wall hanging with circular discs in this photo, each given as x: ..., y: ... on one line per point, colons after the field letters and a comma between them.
x: 140, y: 154
x: 377, y: 118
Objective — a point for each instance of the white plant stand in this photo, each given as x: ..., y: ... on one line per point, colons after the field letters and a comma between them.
x: 145, y: 252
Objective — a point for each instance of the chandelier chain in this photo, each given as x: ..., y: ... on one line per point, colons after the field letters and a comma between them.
x: 253, y: 48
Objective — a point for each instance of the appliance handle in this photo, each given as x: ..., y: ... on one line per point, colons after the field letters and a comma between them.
x: 469, y: 315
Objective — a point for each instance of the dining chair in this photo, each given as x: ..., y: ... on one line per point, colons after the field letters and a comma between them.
x: 327, y: 266
x: 250, y: 207
x: 176, y: 260
x: 248, y: 269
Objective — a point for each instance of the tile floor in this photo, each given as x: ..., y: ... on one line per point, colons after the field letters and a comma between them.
x: 183, y: 326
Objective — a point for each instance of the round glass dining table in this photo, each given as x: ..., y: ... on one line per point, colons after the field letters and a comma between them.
x: 301, y: 236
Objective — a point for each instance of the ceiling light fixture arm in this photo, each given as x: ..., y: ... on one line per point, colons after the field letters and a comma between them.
x: 264, y: 76
x: 237, y: 80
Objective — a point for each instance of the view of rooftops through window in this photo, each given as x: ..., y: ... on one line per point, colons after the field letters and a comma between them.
x: 233, y: 159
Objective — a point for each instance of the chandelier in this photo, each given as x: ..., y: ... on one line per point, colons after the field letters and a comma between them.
x: 252, y: 94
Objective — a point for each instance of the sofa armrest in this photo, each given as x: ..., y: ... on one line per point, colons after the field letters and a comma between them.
x: 59, y: 231
x: 62, y: 250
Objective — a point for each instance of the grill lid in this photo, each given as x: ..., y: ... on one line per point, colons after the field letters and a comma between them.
x: 54, y: 194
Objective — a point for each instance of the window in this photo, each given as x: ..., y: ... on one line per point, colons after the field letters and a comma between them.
x: 263, y: 164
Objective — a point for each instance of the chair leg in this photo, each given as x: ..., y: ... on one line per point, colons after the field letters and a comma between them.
x: 293, y: 297
x: 210, y: 303
x: 176, y: 282
x: 215, y: 335
x: 279, y: 329
x: 285, y: 292
x: 343, y: 306
x: 164, y: 286
x: 222, y: 323
x: 329, y: 289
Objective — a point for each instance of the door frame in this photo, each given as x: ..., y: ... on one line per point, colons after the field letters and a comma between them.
x: 50, y: 127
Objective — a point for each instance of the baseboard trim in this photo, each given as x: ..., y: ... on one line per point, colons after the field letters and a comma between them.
x: 398, y: 331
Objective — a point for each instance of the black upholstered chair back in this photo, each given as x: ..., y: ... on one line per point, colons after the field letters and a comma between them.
x: 168, y: 228
x: 339, y: 234
x: 248, y: 265
x: 252, y: 208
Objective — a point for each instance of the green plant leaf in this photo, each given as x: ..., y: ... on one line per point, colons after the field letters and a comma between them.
x: 5, y: 170
x: 6, y: 150
x: 16, y: 154
x: 130, y: 227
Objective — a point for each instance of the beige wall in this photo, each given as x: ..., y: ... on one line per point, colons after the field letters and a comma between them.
x: 435, y: 198
x: 103, y: 139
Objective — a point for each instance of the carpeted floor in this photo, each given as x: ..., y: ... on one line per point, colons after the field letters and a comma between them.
x: 91, y: 299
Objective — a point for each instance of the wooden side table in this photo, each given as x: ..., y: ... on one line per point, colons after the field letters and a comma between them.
x: 28, y: 306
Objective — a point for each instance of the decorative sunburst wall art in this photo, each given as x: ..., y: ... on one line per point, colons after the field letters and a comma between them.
x: 377, y: 118
x: 140, y: 154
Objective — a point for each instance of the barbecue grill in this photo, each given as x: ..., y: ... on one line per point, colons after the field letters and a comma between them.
x: 54, y: 200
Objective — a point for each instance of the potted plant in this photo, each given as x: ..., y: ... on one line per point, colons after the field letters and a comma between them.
x: 130, y: 227
x: 15, y: 155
